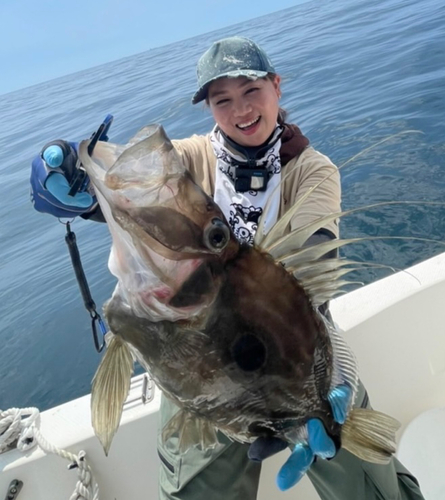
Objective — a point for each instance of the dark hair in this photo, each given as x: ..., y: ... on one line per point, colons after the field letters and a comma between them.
x: 282, y: 115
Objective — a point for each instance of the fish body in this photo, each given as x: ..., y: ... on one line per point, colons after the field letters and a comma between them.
x: 225, y: 329
x: 247, y: 366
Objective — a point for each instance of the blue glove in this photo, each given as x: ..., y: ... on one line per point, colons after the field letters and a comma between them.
x: 302, y: 456
x: 49, y: 187
x: 295, y: 467
x: 54, y: 172
x: 53, y: 156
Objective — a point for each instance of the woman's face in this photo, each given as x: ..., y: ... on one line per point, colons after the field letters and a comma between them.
x: 245, y: 110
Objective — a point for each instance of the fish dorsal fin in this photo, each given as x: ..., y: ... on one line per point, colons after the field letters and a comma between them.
x: 278, y: 230
x: 297, y: 238
x: 309, y: 253
x: 323, y: 292
x: 329, y: 286
x: 191, y: 431
x: 326, y: 277
x: 313, y: 269
x: 111, y: 385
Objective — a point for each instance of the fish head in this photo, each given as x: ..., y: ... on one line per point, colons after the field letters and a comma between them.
x: 170, y: 240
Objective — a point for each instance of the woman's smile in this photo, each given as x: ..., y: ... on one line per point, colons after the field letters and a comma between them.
x: 250, y: 127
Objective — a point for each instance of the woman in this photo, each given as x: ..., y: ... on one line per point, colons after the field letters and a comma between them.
x: 251, y: 151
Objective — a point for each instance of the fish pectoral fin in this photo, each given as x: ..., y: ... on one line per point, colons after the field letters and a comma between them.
x: 370, y: 435
x: 111, y: 385
x: 187, y: 342
x: 191, y: 431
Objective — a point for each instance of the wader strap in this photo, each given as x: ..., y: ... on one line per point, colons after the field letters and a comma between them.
x: 90, y: 305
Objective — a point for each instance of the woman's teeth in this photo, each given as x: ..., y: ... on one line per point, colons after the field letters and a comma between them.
x: 249, y: 124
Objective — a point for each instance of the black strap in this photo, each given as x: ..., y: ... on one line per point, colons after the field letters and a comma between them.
x: 90, y: 305
x: 252, y: 153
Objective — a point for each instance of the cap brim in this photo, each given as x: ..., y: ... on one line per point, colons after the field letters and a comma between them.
x: 201, y: 93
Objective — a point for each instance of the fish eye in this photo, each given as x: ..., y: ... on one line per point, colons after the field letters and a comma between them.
x: 216, y: 235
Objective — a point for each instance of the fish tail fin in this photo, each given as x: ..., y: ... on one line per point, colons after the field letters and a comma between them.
x: 370, y: 435
x: 111, y: 385
x: 191, y: 430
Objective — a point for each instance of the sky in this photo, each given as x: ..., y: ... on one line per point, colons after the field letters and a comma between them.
x: 44, y: 39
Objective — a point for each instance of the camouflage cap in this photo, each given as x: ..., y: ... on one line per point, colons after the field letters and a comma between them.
x: 231, y: 57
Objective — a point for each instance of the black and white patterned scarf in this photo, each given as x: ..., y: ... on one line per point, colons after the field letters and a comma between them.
x: 243, y: 210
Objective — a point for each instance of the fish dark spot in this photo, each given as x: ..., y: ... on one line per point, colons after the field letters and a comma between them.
x: 249, y: 353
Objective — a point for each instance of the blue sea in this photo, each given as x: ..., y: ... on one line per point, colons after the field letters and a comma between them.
x: 354, y: 73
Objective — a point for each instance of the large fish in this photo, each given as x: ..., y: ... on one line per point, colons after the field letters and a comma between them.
x: 231, y: 333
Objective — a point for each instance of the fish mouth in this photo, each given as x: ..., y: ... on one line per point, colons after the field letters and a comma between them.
x: 179, y: 254
x: 198, y: 288
x: 184, y: 299
x: 184, y: 292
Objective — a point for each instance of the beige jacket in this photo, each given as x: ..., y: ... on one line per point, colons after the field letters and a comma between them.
x: 307, y: 170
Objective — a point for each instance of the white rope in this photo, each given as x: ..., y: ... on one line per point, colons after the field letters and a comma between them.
x: 20, y: 426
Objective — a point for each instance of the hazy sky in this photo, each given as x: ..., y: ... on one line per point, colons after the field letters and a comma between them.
x: 42, y: 40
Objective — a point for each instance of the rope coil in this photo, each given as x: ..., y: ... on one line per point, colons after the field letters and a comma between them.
x: 18, y: 426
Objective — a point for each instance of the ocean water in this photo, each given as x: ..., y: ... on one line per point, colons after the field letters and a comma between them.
x: 354, y: 73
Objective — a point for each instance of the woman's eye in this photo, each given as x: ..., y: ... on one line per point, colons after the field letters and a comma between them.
x: 252, y: 89
x: 221, y: 102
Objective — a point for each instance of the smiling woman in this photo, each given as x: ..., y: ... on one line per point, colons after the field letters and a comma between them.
x: 239, y: 164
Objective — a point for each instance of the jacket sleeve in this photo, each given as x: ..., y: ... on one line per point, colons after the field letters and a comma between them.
x: 197, y: 155
x: 313, y: 168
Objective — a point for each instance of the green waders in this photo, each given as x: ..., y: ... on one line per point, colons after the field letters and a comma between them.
x: 226, y: 473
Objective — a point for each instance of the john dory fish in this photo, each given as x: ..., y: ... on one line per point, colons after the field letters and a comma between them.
x: 230, y: 332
